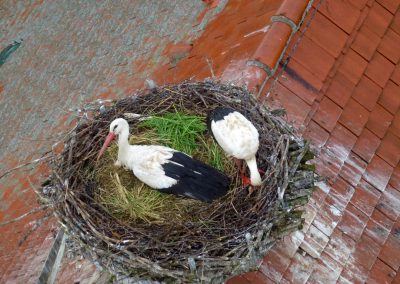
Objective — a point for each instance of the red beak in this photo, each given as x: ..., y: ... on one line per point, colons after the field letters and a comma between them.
x: 110, y: 137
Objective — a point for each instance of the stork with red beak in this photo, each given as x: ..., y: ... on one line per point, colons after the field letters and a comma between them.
x: 238, y: 137
x: 166, y: 169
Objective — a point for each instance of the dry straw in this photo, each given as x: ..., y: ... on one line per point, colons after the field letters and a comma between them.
x: 227, y: 237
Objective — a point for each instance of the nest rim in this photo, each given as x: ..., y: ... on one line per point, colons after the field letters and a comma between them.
x: 234, y: 251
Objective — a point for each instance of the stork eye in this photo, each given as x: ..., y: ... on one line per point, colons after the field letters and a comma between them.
x: 115, y: 127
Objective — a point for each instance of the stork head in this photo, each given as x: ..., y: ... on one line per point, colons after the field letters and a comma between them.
x: 117, y: 127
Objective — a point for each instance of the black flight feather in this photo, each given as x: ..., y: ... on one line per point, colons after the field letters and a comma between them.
x: 195, y: 179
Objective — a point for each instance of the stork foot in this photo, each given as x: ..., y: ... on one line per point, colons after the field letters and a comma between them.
x: 246, y: 181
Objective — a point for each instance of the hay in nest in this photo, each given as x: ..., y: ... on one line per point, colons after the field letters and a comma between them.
x: 228, y: 237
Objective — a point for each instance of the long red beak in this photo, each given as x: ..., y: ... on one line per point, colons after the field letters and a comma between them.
x: 110, y: 137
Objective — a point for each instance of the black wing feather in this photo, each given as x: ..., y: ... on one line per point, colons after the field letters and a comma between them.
x: 195, y: 179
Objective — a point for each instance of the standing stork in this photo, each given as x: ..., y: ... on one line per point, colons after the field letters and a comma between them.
x: 238, y: 137
x: 166, y: 169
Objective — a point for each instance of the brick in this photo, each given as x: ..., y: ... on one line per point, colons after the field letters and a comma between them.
x: 314, y: 58
x: 365, y: 198
x: 353, y: 169
x: 390, y: 5
x: 379, y: 69
x: 353, y: 66
x: 327, y: 35
x: 340, y: 89
x: 327, y: 114
x: 316, y: 134
x: 388, y: 46
x: 378, y: 19
x: 389, y: 150
x: 365, y: 43
x: 378, y: 173
x: 390, y: 98
x: 354, y: 117
x: 342, y: 13
x: 300, y: 268
x: 314, y: 242
x: 354, y: 273
x: 389, y: 203
x: 366, y: 251
x: 366, y: 145
x: 340, y: 246
x: 353, y: 222
x: 389, y: 253
x: 379, y: 121
x: 326, y: 270
x: 380, y: 273
x: 367, y: 93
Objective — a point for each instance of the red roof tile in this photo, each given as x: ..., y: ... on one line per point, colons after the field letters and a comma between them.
x: 388, y: 46
x: 340, y: 89
x: 366, y: 252
x: 365, y: 43
x: 353, y: 222
x: 354, y: 117
x: 365, y: 198
x: 327, y: 114
x: 389, y: 203
x: 378, y: 19
x: 379, y: 69
x: 353, y: 66
x: 327, y: 35
x: 390, y: 98
x: 390, y: 5
x: 342, y: 13
x: 314, y: 58
x: 366, y: 145
x: 381, y: 273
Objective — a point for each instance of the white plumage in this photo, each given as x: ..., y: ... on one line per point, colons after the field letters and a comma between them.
x: 237, y: 136
x: 166, y: 169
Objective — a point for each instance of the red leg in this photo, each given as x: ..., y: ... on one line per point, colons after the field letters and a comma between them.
x: 241, y: 166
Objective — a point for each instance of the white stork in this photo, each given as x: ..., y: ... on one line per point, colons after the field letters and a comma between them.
x: 238, y: 137
x: 166, y: 169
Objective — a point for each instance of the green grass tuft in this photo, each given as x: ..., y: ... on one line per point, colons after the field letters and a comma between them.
x: 181, y: 131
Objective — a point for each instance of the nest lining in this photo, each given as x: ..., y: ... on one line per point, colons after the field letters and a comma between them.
x: 231, y: 234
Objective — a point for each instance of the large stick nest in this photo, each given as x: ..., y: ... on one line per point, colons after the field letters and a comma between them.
x: 231, y: 235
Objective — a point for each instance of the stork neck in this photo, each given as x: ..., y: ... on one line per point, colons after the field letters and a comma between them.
x: 123, y: 139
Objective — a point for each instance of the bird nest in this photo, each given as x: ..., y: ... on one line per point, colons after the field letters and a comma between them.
x: 228, y: 236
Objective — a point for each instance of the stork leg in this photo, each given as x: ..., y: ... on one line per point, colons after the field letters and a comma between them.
x: 241, y: 167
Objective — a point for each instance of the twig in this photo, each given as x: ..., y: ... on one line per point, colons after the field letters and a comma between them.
x: 34, y: 210
x: 43, y: 158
